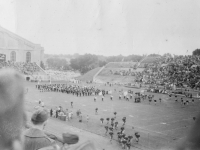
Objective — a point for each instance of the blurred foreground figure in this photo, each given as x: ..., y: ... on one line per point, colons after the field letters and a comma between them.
x: 70, y: 143
x: 11, y: 109
x: 83, y: 146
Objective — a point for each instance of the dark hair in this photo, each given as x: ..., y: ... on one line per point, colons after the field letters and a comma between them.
x: 36, y: 122
x: 39, y: 117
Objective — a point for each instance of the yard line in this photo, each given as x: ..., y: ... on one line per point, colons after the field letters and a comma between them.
x: 169, y: 116
x: 178, y: 128
x: 180, y: 120
x: 167, y: 123
x: 149, y: 131
x: 182, y: 137
x: 163, y: 123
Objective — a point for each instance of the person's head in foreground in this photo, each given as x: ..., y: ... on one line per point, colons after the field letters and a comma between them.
x: 39, y: 118
x: 35, y: 138
x: 11, y: 109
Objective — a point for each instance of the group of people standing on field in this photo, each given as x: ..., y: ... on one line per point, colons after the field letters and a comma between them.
x: 76, y: 90
x: 59, y: 111
x: 112, y: 128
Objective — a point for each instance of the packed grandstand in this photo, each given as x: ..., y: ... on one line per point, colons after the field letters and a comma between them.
x: 179, y: 70
x: 23, y: 67
x: 159, y: 75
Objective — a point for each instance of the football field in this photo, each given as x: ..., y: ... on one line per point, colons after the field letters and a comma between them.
x: 160, y: 124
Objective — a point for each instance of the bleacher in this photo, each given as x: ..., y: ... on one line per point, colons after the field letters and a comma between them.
x: 22, y: 67
x: 120, y: 65
x: 157, y: 70
x: 61, y: 75
x: 31, y: 71
x: 148, y: 60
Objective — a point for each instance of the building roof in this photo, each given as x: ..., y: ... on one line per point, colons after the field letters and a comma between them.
x: 17, y: 37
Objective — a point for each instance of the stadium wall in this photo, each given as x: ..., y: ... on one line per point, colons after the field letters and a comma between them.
x: 18, y: 49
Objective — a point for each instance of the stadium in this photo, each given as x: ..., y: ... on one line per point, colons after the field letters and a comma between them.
x: 107, y: 75
x: 158, y: 104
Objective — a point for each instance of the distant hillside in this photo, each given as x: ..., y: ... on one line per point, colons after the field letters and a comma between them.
x: 89, y: 75
x: 106, y: 75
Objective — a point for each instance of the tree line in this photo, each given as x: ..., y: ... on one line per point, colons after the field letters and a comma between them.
x: 86, y: 62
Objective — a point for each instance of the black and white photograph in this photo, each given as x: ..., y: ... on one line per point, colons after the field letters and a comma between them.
x: 100, y: 74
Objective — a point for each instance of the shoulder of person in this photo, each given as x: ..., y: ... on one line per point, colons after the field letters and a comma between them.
x: 36, y: 133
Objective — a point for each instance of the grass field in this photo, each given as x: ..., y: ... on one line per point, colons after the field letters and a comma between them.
x: 160, y: 125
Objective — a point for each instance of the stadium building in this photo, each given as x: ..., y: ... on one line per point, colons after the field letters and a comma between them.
x: 17, y: 49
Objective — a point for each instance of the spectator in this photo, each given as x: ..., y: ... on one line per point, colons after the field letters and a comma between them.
x: 35, y: 138
x: 11, y: 110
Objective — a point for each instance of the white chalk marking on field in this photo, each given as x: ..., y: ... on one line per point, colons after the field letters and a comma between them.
x: 105, y: 110
x: 163, y: 123
x: 130, y: 116
x: 72, y: 129
x: 83, y: 105
x: 150, y: 130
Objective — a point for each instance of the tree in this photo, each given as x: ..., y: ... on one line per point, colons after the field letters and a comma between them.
x: 102, y: 63
x: 168, y: 55
x: 74, y: 63
x: 58, y: 63
x: 42, y: 65
x: 133, y: 58
x: 196, y: 52
x: 84, y: 63
x: 154, y: 55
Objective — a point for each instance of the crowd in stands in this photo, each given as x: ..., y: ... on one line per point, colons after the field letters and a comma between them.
x: 62, y: 75
x: 123, y: 72
x: 23, y: 67
x: 178, y: 70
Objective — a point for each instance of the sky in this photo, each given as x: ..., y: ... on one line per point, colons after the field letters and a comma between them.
x: 106, y: 27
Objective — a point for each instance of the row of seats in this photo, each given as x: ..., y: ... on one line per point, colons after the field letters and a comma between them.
x: 23, y: 67
x: 177, y: 70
